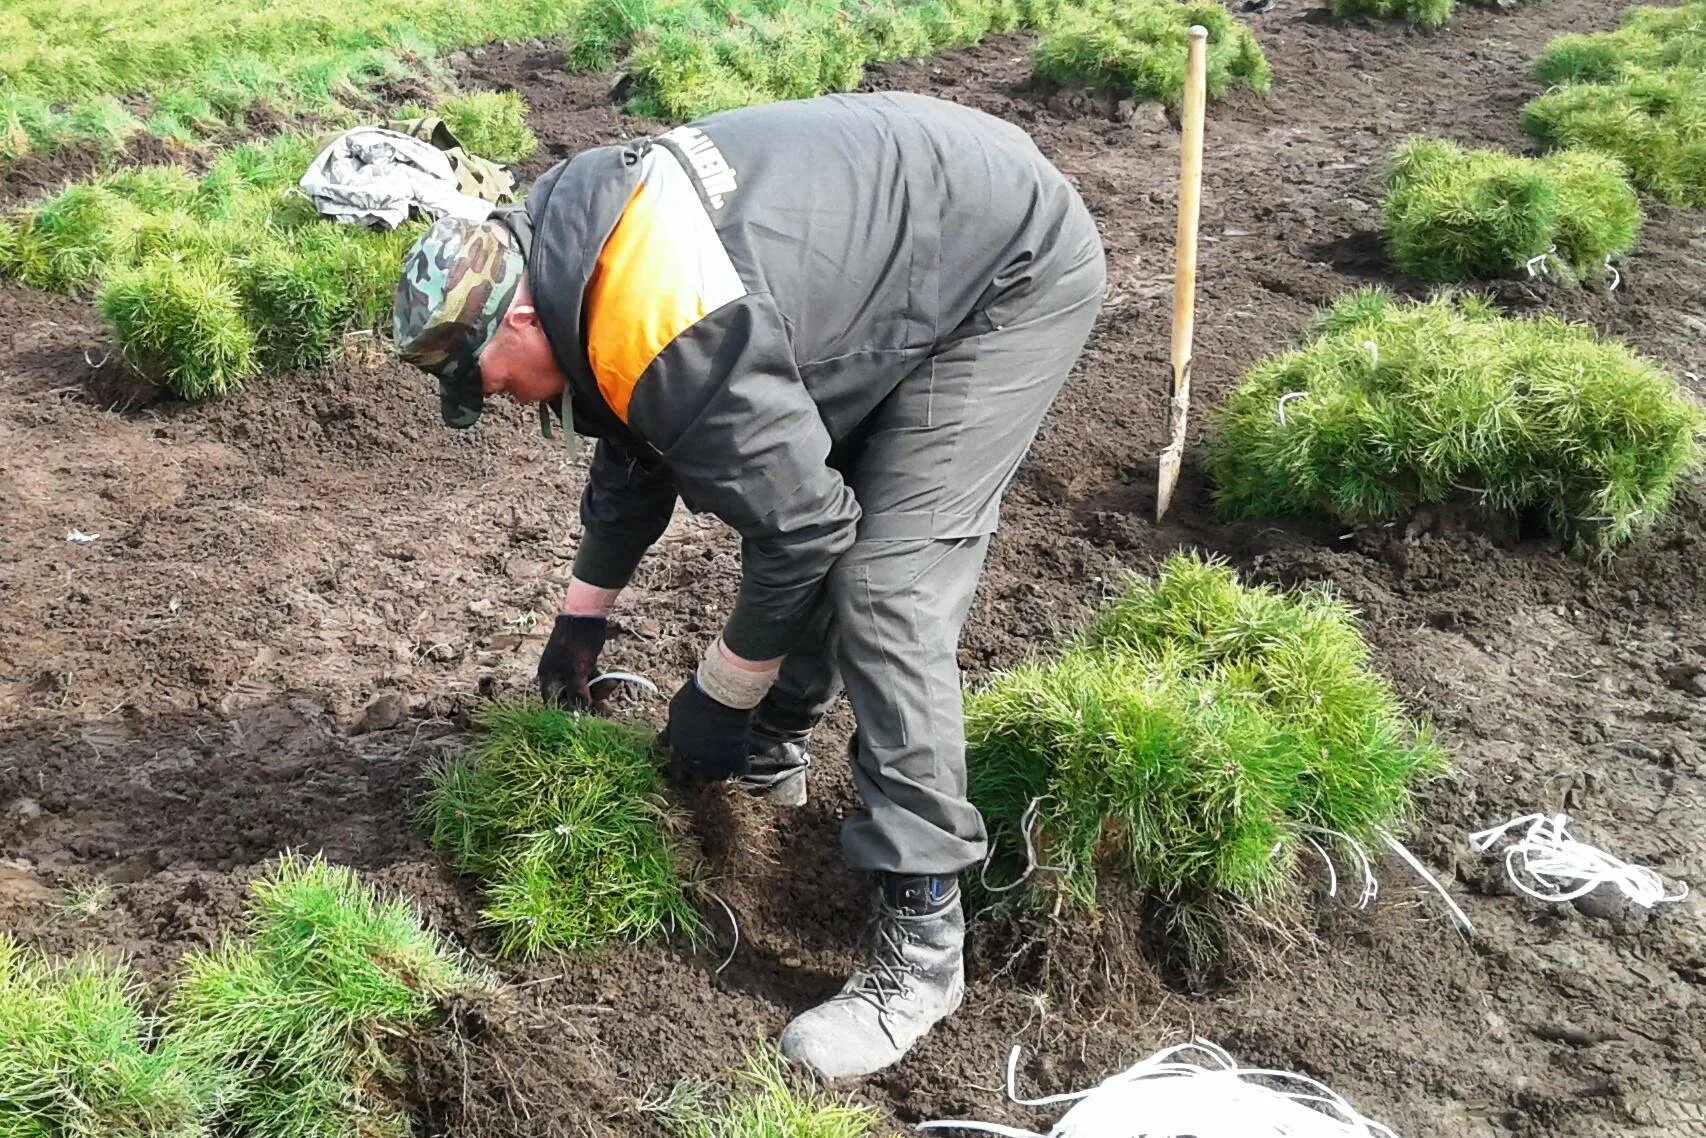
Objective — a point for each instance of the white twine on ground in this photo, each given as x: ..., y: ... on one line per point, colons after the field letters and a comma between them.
x: 78, y: 537
x: 1421, y: 871
x: 626, y: 678
x: 1287, y: 398
x: 1370, y: 884
x: 1633, y: 514
x: 1193, y: 1089
x: 1616, y: 277
x: 1027, y: 828
x: 1548, y: 864
x: 1365, y: 866
x: 733, y: 924
x: 1540, y: 260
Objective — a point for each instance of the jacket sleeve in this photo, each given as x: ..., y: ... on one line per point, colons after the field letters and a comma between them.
x: 743, y: 440
x: 624, y: 510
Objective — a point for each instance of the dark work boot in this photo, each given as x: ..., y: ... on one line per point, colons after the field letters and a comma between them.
x: 916, y: 978
x: 779, y: 764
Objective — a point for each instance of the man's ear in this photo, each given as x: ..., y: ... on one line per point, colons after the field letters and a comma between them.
x: 521, y: 316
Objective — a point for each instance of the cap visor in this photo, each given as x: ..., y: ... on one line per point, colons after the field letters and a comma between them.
x: 461, y: 408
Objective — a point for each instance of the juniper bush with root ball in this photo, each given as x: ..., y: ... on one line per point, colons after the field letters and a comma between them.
x: 852, y: 396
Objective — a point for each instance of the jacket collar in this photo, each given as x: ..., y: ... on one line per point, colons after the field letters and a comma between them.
x: 572, y: 210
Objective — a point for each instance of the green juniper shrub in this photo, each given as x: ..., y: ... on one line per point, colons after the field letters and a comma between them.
x: 1394, y: 405
x: 297, y: 305
x: 1454, y: 215
x: 763, y: 1098
x: 153, y: 189
x: 1139, y: 47
x: 1426, y: 13
x: 490, y: 124
x: 296, y: 1019
x: 70, y: 242
x: 80, y: 1059
x: 205, y: 281
x: 560, y: 818
x: 690, y: 59
x: 181, y: 322
x: 1187, y: 741
x: 312, y: 60
x: 603, y: 32
x: 1423, y: 13
x: 104, y: 123
x: 1649, y: 39
x: 1653, y: 121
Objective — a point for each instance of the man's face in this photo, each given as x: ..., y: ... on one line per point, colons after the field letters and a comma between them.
x: 517, y: 361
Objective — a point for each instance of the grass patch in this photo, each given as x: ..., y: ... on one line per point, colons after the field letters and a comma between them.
x: 1423, y: 13
x: 1139, y: 46
x: 690, y: 58
x: 561, y: 818
x: 1404, y: 404
x: 78, y: 1057
x: 489, y: 124
x: 207, y: 282
x: 1188, y: 740
x: 1637, y: 94
x: 284, y: 1032
x: 199, y: 69
x: 763, y: 1099
x: 86, y: 900
x: 1454, y: 214
x: 295, y: 1020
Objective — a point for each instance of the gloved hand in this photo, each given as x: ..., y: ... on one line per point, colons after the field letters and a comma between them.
x: 570, y: 661
x: 706, y: 741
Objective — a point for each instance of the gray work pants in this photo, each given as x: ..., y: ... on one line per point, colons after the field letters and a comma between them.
x: 929, y: 477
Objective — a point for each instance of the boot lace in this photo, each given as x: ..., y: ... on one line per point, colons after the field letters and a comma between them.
x: 889, y: 975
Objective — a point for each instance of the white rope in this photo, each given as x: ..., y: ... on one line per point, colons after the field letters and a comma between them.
x: 626, y: 678
x: 1397, y: 847
x: 1027, y: 828
x: 1287, y: 398
x: 1365, y: 866
x: 1540, y: 260
x: 1548, y: 864
x: 1633, y: 514
x: 1616, y: 277
x: 1193, y: 1089
x: 1332, y: 874
x: 733, y: 924
x: 1370, y: 883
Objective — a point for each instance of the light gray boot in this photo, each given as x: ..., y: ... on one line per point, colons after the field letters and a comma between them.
x: 915, y: 979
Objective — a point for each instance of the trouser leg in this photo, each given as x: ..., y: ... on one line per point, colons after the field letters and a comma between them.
x: 903, y: 603
x: 930, y: 481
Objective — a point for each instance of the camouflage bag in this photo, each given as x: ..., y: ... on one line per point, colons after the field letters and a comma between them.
x: 475, y: 176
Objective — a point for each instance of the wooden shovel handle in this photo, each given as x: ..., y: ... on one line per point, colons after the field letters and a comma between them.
x: 1185, y: 265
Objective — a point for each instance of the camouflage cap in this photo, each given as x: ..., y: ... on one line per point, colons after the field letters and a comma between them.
x: 458, y: 279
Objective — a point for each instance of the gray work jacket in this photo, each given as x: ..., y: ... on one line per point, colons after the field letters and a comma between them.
x: 732, y: 300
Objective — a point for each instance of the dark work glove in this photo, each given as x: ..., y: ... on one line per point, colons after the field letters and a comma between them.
x: 570, y: 661
x: 706, y: 741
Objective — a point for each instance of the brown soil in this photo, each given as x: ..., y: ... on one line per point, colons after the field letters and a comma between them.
x: 296, y: 594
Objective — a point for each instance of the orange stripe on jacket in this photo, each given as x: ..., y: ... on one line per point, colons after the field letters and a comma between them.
x: 662, y: 270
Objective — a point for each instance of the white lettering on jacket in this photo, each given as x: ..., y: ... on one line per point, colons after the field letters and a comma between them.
x: 715, y: 174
